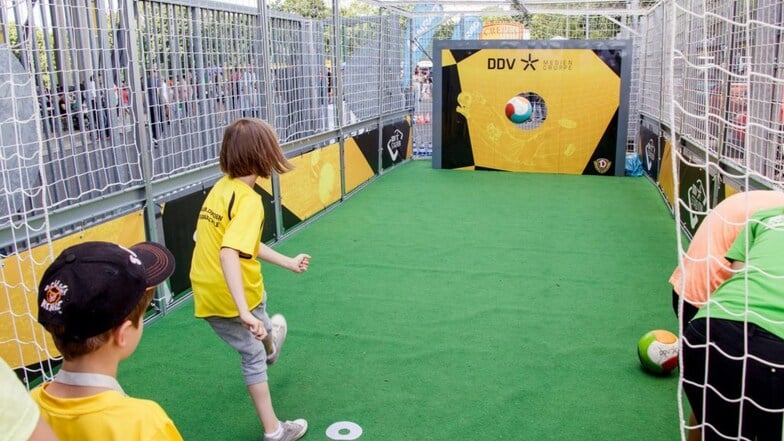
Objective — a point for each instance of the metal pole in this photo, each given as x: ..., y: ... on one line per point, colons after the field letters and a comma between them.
x: 265, y: 67
x: 337, y: 84
x: 380, y: 97
x: 135, y: 82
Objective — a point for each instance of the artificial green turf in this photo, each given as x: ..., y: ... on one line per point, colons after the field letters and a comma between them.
x: 450, y: 305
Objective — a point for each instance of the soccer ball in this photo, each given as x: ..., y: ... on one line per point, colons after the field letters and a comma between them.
x: 658, y: 351
x: 518, y: 109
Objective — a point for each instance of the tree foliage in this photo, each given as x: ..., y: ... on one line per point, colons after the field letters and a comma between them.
x: 305, y: 8
x: 445, y: 30
x: 358, y: 9
x: 21, y: 50
x: 547, y: 26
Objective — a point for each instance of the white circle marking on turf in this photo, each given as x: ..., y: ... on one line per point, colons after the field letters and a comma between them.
x: 352, y: 431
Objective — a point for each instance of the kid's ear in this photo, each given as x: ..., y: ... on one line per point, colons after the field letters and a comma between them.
x: 121, y: 332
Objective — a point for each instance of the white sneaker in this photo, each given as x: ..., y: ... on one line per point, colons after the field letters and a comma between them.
x: 292, y: 430
x: 279, y: 331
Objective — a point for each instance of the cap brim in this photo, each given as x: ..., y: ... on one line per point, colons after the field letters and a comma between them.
x: 158, y: 261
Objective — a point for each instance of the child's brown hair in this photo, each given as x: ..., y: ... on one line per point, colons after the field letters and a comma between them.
x: 250, y: 147
x: 70, y: 348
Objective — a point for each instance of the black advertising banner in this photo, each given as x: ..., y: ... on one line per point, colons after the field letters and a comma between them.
x: 394, y: 143
x: 694, y: 185
x: 179, y: 226
x: 368, y: 145
x: 650, y: 147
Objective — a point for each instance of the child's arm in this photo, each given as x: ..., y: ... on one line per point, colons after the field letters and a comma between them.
x: 230, y: 263
x: 297, y: 264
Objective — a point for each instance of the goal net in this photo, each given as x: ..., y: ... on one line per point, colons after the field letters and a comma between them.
x: 712, y: 85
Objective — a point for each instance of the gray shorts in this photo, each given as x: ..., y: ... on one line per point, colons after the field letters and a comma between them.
x: 234, y: 332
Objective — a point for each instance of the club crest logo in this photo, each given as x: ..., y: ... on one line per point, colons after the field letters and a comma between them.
x: 650, y: 151
x: 602, y: 165
x: 698, y: 202
x: 54, y: 293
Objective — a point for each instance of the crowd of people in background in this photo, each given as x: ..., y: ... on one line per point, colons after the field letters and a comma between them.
x: 94, y: 103
x: 423, y: 83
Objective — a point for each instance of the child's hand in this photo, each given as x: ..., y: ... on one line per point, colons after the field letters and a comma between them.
x: 300, y: 263
x: 254, y: 325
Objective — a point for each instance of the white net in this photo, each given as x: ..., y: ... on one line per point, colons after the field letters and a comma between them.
x: 110, y: 109
x: 712, y: 75
x: 108, y: 106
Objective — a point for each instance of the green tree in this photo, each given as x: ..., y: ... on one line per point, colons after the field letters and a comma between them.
x: 358, y: 9
x: 547, y: 26
x: 445, y: 30
x: 305, y: 8
x: 17, y: 47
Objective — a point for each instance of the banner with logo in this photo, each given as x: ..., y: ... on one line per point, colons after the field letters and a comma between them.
x: 396, y: 145
x: 695, y: 185
x: 532, y: 106
x: 468, y: 28
x: 314, y: 184
x: 649, y: 145
x: 309, y: 188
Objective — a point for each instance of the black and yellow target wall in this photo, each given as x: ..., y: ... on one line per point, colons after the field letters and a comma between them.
x: 531, y: 106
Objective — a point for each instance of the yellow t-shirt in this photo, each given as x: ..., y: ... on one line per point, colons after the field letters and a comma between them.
x: 232, y: 216
x: 18, y: 413
x: 107, y: 416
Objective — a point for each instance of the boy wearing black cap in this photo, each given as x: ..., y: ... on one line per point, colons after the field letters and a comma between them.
x: 92, y: 299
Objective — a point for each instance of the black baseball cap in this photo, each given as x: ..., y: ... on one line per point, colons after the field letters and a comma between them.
x: 93, y: 286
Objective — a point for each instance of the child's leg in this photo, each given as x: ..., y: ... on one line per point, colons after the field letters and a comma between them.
x: 260, y: 394
x: 254, y: 361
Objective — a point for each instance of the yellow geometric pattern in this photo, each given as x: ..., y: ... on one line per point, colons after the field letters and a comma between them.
x: 580, y: 91
x: 446, y: 58
x: 666, y: 180
x: 358, y: 171
x: 314, y: 184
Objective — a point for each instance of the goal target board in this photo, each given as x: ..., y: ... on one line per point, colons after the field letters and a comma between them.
x: 532, y: 106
